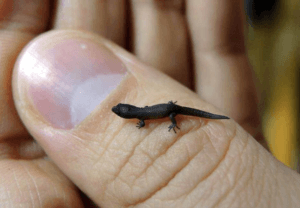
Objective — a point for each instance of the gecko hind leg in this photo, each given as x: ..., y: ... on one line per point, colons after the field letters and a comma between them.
x: 174, y: 124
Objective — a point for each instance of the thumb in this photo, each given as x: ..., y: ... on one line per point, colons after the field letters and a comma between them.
x: 65, y: 84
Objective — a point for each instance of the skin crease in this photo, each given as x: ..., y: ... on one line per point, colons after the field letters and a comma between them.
x: 220, y: 163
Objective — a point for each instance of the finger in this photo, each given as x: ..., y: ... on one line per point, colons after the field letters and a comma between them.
x: 36, y: 183
x: 24, y: 16
x: 106, y: 18
x: 61, y: 93
x: 224, y: 76
x: 160, y: 37
x: 65, y: 100
x: 221, y: 28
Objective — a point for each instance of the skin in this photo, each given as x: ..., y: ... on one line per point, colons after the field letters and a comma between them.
x: 207, y: 164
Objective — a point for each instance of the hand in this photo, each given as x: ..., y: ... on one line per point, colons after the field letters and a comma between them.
x: 65, y: 83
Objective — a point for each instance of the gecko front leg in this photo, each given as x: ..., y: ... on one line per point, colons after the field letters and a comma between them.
x: 140, y: 124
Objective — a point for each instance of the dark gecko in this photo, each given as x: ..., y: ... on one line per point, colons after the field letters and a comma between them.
x: 169, y: 109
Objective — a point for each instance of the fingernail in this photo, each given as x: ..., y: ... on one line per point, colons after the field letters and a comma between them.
x: 68, y: 78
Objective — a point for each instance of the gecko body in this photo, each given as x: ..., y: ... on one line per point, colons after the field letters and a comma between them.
x: 163, y: 110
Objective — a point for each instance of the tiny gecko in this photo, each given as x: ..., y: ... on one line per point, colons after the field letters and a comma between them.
x: 163, y: 110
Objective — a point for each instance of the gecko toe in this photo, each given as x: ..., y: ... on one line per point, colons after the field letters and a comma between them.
x: 173, y: 127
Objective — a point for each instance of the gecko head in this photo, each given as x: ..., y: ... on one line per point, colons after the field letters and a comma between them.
x: 122, y: 110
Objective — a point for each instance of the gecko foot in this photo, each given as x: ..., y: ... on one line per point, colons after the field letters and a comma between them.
x: 173, y: 126
x: 171, y: 102
x: 140, y: 124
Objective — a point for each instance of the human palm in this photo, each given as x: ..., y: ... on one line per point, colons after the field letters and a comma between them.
x: 66, y: 81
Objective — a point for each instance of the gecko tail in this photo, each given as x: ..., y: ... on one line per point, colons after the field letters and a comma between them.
x: 214, y: 116
x: 199, y: 113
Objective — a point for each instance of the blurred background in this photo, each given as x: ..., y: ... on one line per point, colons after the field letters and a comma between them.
x: 273, y: 37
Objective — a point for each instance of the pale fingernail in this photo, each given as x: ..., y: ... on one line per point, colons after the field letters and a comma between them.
x: 66, y: 79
